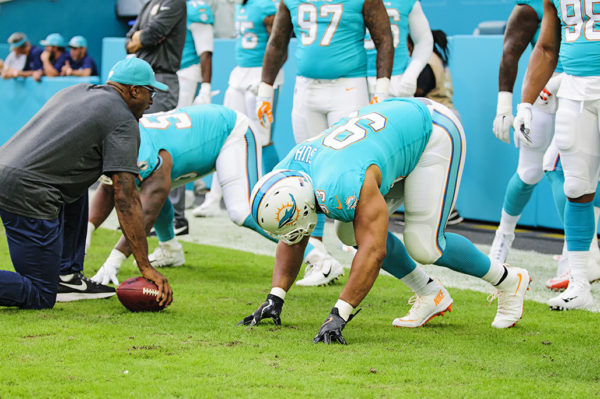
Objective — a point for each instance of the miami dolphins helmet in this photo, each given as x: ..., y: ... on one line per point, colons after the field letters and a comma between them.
x: 283, y: 204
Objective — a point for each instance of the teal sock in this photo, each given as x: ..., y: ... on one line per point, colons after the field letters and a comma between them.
x: 556, y: 178
x: 579, y: 225
x: 320, y: 227
x: 462, y: 256
x: 397, y: 261
x: 163, y: 225
x: 517, y: 195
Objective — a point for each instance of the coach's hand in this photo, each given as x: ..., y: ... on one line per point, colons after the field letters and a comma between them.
x: 331, y: 330
x: 165, y: 293
x: 504, y: 117
x: 264, y: 104
x: 522, y: 123
x: 271, y: 308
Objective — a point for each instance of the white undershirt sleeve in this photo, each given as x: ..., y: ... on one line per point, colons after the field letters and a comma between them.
x: 420, y: 33
x: 203, y: 37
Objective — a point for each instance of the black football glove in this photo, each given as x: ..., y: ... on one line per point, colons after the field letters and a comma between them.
x: 270, y: 308
x: 331, y: 330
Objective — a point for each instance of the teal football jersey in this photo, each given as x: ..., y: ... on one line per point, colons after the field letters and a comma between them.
x: 398, y: 11
x: 192, y: 135
x: 330, y: 38
x: 580, y: 36
x: 197, y: 12
x: 392, y: 135
x: 252, y: 34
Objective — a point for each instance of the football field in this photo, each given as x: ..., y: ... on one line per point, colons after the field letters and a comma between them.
x: 194, y: 349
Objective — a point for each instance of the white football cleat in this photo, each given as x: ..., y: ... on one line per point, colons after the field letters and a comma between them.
x: 321, y: 269
x: 425, y: 308
x: 167, y: 255
x: 576, y: 296
x: 510, y: 294
x: 209, y: 208
x: 501, y: 246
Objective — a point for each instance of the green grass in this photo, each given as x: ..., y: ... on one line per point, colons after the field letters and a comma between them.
x: 194, y: 348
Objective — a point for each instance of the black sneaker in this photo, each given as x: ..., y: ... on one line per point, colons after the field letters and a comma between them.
x: 73, y: 287
x: 181, y: 227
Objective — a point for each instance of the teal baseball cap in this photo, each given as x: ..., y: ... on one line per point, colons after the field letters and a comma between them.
x: 136, y: 72
x: 77, y: 42
x: 54, y: 39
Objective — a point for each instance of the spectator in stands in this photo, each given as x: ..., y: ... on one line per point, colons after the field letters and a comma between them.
x: 24, y: 59
x: 77, y: 62
x: 54, y: 53
x: 158, y: 37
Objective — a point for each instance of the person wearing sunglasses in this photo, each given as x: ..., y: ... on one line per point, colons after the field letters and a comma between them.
x: 46, y: 168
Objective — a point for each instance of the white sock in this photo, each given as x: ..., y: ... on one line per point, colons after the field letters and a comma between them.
x: 578, y: 261
x: 418, y: 280
x: 495, y: 273
x: 508, y: 223
x: 344, y: 308
x: 171, y: 244
x: 278, y: 292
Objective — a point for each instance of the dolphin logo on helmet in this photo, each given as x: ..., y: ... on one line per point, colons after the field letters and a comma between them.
x: 290, y: 214
x: 283, y: 204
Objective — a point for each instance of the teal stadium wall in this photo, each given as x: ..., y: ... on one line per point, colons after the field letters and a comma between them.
x: 474, y: 68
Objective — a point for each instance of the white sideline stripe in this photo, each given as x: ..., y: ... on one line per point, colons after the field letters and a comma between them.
x: 222, y: 232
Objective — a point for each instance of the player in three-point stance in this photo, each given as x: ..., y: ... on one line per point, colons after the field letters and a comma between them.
x: 399, y: 151
x: 178, y: 147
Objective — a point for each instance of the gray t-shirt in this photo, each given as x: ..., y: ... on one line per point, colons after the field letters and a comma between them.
x: 82, y: 132
x: 163, y: 26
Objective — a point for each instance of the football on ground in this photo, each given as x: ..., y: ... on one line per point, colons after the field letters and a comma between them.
x: 139, y: 295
